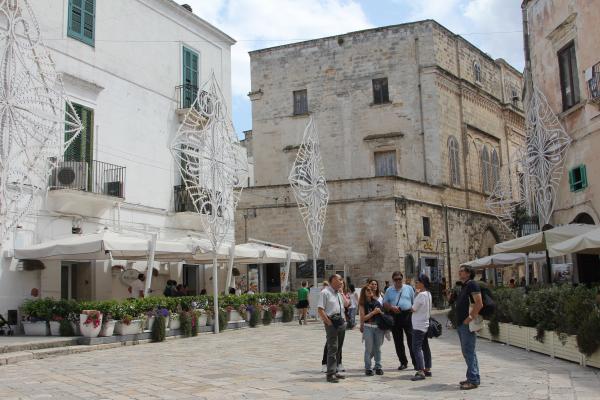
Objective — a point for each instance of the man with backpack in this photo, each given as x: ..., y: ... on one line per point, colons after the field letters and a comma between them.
x: 468, y: 305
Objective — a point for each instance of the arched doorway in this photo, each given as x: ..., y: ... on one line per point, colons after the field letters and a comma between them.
x: 587, y: 265
x: 486, y: 248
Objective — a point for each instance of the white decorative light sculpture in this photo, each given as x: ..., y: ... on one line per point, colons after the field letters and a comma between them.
x: 541, y: 164
x: 310, y: 189
x: 37, y: 121
x: 212, y: 165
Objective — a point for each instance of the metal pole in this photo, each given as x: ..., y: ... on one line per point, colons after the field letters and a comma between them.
x: 215, y: 294
x: 526, y: 270
x: 286, y: 278
x: 315, y: 269
x: 151, y: 251
x: 230, y: 268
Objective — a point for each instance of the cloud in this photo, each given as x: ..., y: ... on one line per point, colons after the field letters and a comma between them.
x: 264, y: 23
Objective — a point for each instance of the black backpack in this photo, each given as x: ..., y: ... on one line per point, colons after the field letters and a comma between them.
x: 489, y: 306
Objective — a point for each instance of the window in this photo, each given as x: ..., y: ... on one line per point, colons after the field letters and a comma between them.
x: 426, y: 227
x: 380, y: 91
x: 81, y: 149
x: 485, y: 169
x: 409, y: 266
x: 300, y: 102
x: 578, y: 178
x: 385, y: 163
x: 477, y: 71
x: 190, y: 77
x: 82, y: 20
x: 495, y: 170
x: 569, y: 82
x: 453, y: 159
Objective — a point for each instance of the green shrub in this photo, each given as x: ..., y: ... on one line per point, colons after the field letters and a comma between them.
x: 518, y: 310
x: 588, y: 333
x: 66, y: 328
x: 267, y: 317
x: 254, y: 317
x: 288, y: 313
x: 158, y: 333
x: 494, y: 326
x: 222, y: 320
x: 185, y: 318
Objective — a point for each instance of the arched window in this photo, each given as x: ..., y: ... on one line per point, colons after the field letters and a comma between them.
x: 485, y: 169
x: 453, y: 159
x: 477, y: 71
x: 495, y: 172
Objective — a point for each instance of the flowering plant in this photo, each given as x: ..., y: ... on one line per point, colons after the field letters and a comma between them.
x: 162, y: 312
x: 57, y: 318
x: 93, y: 317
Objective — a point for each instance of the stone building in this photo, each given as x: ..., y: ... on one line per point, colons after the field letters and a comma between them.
x: 414, y: 122
x: 565, y: 64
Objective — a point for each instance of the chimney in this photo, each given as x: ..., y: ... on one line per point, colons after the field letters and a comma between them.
x: 187, y: 7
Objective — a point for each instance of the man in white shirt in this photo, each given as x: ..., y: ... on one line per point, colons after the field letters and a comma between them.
x: 138, y: 287
x: 331, y: 310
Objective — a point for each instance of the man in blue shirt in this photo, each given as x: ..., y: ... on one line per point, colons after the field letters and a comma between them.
x: 398, y: 300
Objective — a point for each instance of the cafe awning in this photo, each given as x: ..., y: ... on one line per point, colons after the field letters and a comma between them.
x: 587, y: 243
x: 541, y: 241
x: 502, y: 259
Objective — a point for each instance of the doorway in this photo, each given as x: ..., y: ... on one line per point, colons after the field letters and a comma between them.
x: 190, y: 278
x: 76, y: 281
x: 273, y: 276
x: 588, y: 265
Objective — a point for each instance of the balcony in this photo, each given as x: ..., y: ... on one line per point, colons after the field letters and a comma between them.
x: 183, y: 200
x: 85, y: 188
x: 186, y: 216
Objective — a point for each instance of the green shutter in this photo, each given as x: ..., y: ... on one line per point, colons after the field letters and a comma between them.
x: 82, y: 20
x: 584, y: 182
x: 81, y: 148
x: 571, y: 183
x: 190, y: 77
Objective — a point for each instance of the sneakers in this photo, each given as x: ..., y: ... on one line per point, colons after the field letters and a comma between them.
x: 402, y: 366
x: 379, y: 371
x: 419, y: 376
x: 324, y: 368
x: 332, y: 379
x: 428, y: 374
x: 468, y: 386
x: 368, y: 372
x: 341, y: 368
x: 340, y: 376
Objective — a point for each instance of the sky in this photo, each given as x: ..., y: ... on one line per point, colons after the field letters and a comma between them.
x: 492, y: 25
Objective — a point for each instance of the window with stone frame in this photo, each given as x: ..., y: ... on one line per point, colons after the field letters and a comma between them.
x: 485, y: 170
x: 569, y: 80
x: 385, y: 163
x: 380, y: 91
x: 477, y: 71
x: 494, y: 170
x: 453, y: 158
x: 300, y: 102
x: 426, y: 226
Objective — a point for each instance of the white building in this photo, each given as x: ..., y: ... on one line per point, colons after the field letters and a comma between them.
x: 130, y: 68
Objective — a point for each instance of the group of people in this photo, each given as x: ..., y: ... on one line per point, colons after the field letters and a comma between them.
x: 403, y: 310
x: 173, y: 289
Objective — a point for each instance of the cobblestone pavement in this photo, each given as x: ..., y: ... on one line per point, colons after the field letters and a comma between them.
x: 283, y: 361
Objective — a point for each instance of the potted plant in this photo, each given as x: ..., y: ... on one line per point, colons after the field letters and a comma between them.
x: 59, y: 312
x: 108, y: 322
x: 174, y: 321
x: 159, y: 327
x: 90, y: 323
x: 36, y: 316
x: 129, y: 321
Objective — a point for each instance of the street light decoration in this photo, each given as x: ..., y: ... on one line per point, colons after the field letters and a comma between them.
x: 310, y: 188
x: 37, y: 121
x: 212, y: 165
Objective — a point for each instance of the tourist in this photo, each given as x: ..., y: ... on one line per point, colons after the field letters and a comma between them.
x: 465, y: 314
x: 303, y: 303
x: 511, y: 283
x: 137, y: 287
x: 386, y: 286
x: 374, y: 285
x: 231, y: 291
x: 170, y: 288
x: 179, y: 291
x: 353, y: 306
x: 203, y: 292
x: 399, y: 300
x: 331, y: 310
x: 421, y: 312
x: 369, y: 311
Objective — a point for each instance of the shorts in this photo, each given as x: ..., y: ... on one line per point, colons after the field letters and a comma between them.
x: 302, y: 304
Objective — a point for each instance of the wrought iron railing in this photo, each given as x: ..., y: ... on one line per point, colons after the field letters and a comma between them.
x: 183, y: 200
x: 94, y: 177
x: 186, y: 94
x: 528, y: 225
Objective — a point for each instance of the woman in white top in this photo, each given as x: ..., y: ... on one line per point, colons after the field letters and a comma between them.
x: 421, y: 311
x: 374, y: 285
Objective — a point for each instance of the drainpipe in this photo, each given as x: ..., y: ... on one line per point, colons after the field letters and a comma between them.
x: 448, y: 246
x: 418, y: 63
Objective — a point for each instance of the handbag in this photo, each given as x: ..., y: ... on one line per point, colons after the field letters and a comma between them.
x: 435, y: 327
x: 385, y: 321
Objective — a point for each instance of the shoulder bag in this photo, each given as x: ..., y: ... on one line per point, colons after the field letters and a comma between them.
x: 435, y: 328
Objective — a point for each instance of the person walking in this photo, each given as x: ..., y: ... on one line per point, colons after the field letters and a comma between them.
x: 340, y: 366
x: 331, y: 310
x: 369, y: 311
x: 302, y: 304
x: 353, y: 306
x: 399, y: 300
x: 421, y: 312
x: 468, y: 305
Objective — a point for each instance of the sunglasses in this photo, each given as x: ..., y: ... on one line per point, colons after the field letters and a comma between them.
x: 397, y: 279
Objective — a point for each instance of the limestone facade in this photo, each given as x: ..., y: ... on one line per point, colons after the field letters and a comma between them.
x: 441, y: 89
x: 554, y: 26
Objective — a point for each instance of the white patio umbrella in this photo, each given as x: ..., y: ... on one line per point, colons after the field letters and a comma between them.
x: 587, y: 243
x: 542, y: 241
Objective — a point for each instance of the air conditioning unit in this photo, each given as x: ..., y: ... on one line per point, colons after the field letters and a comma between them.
x: 114, y: 189
x: 592, y: 76
x: 70, y: 175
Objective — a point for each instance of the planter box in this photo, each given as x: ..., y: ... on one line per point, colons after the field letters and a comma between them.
x: 108, y: 328
x: 568, y: 351
x: 517, y: 336
x: 89, y: 330
x: 134, y: 327
x: 279, y: 314
x: 594, y: 360
x: 35, y: 328
x: 539, y: 347
x: 234, y: 316
x: 149, y: 323
x: 485, y: 331
x: 202, y: 320
x: 174, y: 323
x: 55, y: 328
x: 502, y: 333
